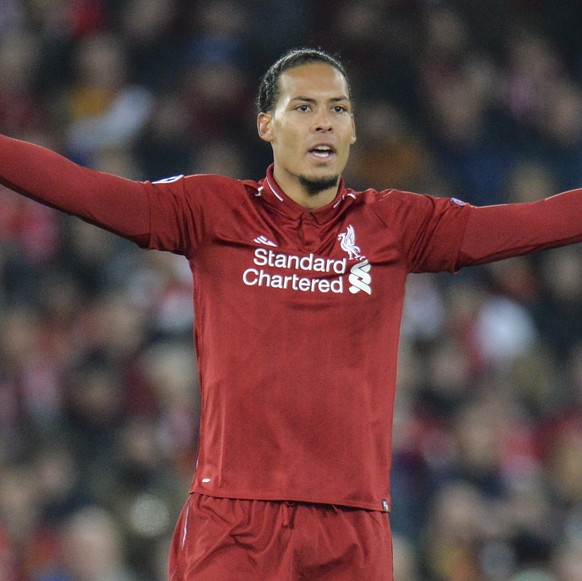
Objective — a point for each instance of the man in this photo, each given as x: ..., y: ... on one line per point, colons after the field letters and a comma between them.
x: 298, y: 292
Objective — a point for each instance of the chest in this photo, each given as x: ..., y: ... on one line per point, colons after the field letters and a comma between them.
x: 302, y: 257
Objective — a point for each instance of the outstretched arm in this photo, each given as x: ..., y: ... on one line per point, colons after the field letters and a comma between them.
x: 503, y: 231
x: 116, y: 204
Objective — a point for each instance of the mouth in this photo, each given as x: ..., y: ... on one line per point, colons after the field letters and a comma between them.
x: 323, y: 151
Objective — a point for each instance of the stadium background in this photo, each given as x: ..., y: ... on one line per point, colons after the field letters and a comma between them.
x: 479, y: 100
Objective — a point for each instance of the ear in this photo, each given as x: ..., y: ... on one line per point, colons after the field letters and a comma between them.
x: 264, y: 126
x: 353, y: 140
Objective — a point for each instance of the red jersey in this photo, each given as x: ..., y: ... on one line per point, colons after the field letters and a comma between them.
x: 297, y: 312
x: 297, y: 326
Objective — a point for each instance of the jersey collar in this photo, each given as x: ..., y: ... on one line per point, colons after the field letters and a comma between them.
x: 277, y: 199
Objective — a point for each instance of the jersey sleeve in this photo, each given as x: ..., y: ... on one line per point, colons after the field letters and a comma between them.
x: 173, y: 215
x: 428, y: 229
x: 185, y: 211
x: 113, y: 203
x: 506, y: 230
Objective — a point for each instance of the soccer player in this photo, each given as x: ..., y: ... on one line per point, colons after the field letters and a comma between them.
x: 298, y: 292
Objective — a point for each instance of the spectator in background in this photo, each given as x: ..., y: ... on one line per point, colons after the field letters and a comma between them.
x: 91, y: 548
x: 8, y: 559
x: 105, y: 110
x: 154, y: 41
x: 21, y: 109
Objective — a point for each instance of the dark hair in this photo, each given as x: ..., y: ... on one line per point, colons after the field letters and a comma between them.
x: 269, y: 87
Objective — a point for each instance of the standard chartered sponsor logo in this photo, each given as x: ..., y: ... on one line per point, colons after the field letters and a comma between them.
x: 256, y: 277
x: 265, y: 257
x: 359, y: 277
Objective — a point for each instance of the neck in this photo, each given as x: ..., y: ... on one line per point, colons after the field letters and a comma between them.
x: 310, y: 193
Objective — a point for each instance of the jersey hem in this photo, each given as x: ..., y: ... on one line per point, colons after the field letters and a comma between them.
x: 376, y: 507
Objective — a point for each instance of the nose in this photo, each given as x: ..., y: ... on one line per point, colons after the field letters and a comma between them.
x: 323, y: 122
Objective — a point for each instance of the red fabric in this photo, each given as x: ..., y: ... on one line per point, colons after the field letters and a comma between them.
x: 297, y: 312
x: 297, y: 363
x: 222, y: 539
x: 497, y: 232
x: 117, y: 204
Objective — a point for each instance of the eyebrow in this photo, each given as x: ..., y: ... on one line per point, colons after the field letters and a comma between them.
x: 312, y: 100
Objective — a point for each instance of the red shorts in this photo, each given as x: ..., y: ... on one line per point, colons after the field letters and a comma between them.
x: 218, y: 539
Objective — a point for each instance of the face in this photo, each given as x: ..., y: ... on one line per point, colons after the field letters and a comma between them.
x: 311, y: 126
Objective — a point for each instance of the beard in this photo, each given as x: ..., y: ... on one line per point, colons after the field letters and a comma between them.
x: 316, y: 185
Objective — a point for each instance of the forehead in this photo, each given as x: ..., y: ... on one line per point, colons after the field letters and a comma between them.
x: 317, y: 80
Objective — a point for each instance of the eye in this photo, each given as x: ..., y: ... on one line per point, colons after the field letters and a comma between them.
x: 340, y: 109
x: 303, y: 108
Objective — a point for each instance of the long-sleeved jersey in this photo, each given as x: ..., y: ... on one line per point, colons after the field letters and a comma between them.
x: 297, y: 311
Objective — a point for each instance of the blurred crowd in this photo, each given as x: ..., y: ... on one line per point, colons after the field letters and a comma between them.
x: 98, y: 386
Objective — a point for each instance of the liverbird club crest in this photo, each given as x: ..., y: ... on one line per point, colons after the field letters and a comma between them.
x: 348, y: 243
